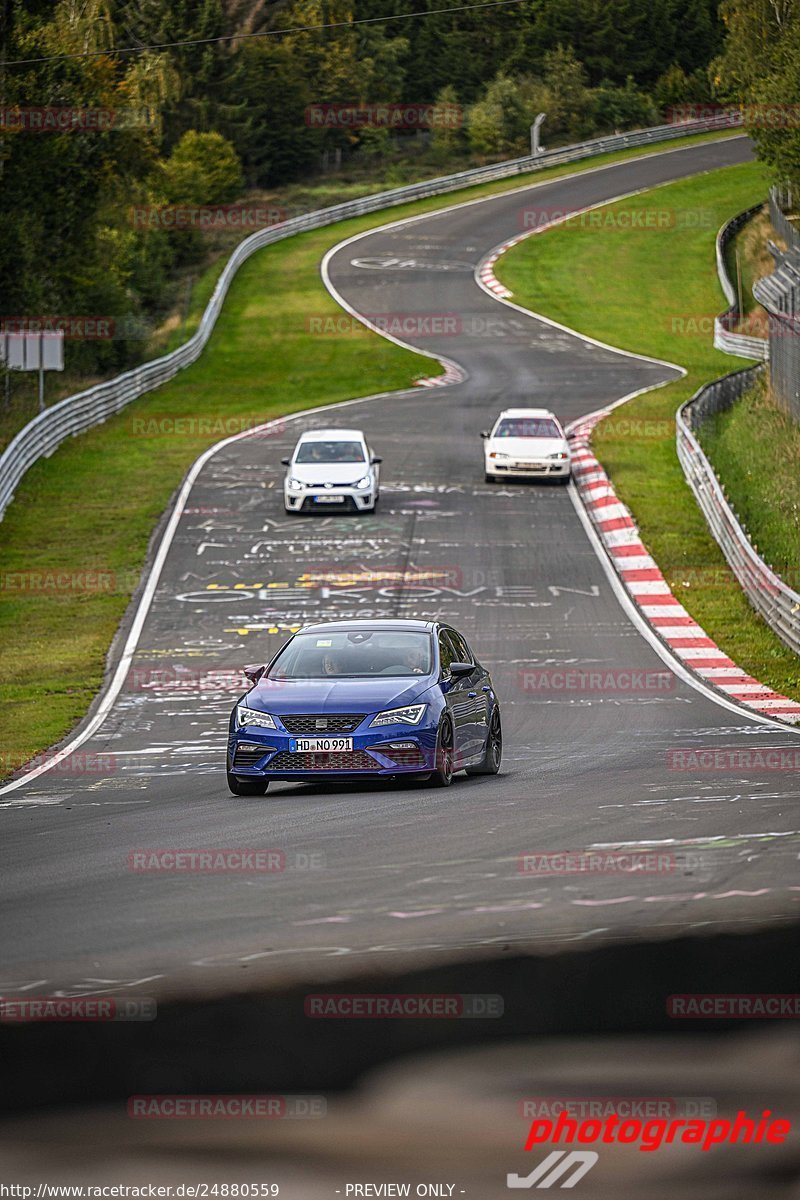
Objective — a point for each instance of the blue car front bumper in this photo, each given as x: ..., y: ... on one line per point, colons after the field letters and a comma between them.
x: 257, y: 753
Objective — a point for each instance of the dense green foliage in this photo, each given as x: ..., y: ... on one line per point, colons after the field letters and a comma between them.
x: 760, y: 68
x: 235, y: 111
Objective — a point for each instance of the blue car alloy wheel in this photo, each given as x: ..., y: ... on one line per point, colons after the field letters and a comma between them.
x: 365, y: 700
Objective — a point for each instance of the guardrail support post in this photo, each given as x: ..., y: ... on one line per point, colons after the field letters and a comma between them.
x: 535, y: 128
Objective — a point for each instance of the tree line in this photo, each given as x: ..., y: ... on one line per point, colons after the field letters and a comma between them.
x: 202, y: 123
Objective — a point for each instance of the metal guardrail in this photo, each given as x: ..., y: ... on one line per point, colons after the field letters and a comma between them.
x: 779, y: 294
x: 777, y: 603
x: 744, y: 345
x: 778, y: 197
x: 75, y: 414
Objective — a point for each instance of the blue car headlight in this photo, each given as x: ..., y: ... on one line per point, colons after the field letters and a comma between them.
x: 251, y: 716
x: 411, y: 715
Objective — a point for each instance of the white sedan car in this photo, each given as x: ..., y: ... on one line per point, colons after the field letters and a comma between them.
x: 526, y: 443
x: 331, y: 469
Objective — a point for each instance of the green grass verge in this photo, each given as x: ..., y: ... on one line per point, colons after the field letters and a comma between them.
x: 94, y: 504
x: 653, y: 291
x: 755, y: 450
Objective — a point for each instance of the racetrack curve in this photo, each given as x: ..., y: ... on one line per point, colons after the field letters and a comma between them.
x: 406, y: 870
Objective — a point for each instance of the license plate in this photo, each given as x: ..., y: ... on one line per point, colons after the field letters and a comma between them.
x: 323, y: 745
x: 329, y: 499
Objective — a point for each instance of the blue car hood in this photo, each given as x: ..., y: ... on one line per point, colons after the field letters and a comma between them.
x: 336, y: 695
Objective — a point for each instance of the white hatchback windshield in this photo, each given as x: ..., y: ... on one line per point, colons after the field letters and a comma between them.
x: 527, y: 427
x: 330, y: 452
x: 354, y: 654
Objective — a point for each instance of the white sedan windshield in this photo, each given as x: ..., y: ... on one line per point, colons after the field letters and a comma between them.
x: 330, y: 452
x: 527, y: 427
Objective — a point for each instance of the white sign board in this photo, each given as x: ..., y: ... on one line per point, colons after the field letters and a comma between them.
x: 33, y: 351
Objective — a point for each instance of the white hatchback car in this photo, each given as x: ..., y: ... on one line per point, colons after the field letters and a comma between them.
x: 526, y: 443
x: 331, y: 469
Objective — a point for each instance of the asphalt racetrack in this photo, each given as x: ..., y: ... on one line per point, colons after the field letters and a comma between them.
x: 406, y: 873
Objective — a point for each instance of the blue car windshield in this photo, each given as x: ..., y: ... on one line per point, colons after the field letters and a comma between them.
x: 354, y: 654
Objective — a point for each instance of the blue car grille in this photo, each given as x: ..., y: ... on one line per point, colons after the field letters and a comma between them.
x: 345, y: 760
x: 321, y: 722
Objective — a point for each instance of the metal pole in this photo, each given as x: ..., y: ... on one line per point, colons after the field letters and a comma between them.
x: 535, y: 127
x: 4, y: 31
x: 41, y: 372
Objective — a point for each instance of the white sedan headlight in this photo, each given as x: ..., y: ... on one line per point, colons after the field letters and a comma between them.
x: 561, y: 455
x: 497, y: 454
x: 251, y: 716
x: 411, y: 715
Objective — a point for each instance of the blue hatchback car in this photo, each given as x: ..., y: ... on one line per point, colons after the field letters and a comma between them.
x: 365, y: 700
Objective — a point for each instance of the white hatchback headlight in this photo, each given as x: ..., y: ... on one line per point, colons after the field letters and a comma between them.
x: 560, y: 455
x: 295, y: 485
x: 251, y: 716
x: 411, y: 715
x: 365, y: 482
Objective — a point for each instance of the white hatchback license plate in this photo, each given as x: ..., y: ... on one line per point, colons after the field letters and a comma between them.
x: 320, y: 745
x: 329, y: 499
